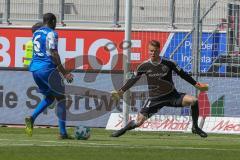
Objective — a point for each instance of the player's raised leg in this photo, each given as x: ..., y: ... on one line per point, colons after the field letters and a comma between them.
x: 131, y: 125
x: 193, y: 102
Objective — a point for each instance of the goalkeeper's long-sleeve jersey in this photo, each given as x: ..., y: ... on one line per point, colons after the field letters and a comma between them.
x: 159, y: 77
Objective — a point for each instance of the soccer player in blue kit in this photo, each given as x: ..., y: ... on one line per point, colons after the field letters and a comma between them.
x: 46, y: 68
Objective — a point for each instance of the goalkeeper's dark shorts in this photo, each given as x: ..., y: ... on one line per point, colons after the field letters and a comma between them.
x: 152, y: 105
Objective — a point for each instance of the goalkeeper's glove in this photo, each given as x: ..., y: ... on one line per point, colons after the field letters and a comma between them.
x: 115, y: 95
x: 202, y: 86
x: 69, y: 77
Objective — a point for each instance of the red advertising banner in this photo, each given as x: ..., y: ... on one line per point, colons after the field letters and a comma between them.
x: 155, y: 123
x: 95, y: 49
x: 227, y: 125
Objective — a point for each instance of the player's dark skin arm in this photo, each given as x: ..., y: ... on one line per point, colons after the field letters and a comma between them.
x: 57, y: 61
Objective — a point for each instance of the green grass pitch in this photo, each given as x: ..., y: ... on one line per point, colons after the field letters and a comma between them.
x: 15, y: 145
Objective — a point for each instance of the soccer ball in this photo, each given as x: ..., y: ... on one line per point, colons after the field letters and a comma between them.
x: 82, y: 132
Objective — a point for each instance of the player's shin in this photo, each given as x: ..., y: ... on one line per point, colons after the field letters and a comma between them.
x: 47, y: 101
x: 61, y: 113
x: 131, y: 125
x: 195, y: 113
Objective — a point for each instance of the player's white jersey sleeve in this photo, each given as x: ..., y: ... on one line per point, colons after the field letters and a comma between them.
x: 51, y: 42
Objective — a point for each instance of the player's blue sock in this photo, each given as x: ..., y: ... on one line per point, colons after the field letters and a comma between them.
x: 61, y: 113
x: 41, y: 106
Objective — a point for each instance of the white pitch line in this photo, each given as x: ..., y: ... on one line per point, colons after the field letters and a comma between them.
x: 61, y: 142
x: 97, y: 145
x: 119, y: 146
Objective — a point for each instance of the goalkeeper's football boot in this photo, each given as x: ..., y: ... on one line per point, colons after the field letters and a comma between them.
x: 119, y: 132
x: 131, y: 125
x: 29, y: 126
x: 197, y: 130
x: 65, y: 136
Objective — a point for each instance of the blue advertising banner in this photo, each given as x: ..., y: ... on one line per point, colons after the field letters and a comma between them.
x: 213, y: 45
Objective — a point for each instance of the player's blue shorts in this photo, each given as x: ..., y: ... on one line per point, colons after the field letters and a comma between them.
x: 49, y: 82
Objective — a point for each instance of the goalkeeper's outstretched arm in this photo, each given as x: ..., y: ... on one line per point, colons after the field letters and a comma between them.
x: 135, y: 77
x: 130, y: 82
x: 184, y: 75
x: 125, y: 87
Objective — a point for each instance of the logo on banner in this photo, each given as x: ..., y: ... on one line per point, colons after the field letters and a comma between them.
x: 155, y: 123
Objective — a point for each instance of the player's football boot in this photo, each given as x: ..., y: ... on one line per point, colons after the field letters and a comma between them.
x: 118, y: 133
x: 197, y: 130
x: 65, y: 136
x: 29, y: 126
x: 129, y: 126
